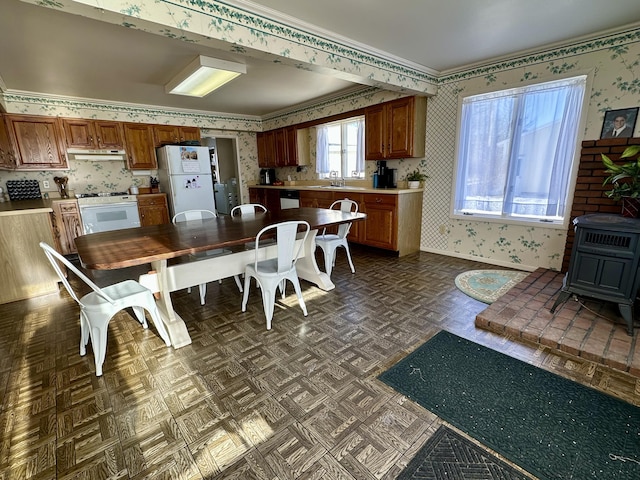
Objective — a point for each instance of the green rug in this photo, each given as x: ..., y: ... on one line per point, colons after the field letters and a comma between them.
x: 488, y: 285
x: 550, y: 426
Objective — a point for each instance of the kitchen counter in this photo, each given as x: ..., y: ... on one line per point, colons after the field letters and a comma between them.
x: 23, y: 207
x: 347, y: 188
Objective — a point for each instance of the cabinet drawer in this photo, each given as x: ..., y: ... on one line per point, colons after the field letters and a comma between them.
x: 68, y: 207
x: 147, y: 200
x: 380, y: 199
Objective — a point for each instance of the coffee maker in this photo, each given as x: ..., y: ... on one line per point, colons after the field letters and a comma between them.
x: 267, y: 176
x: 385, y: 177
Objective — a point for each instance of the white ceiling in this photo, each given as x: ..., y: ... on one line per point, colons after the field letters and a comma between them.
x: 48, y: 51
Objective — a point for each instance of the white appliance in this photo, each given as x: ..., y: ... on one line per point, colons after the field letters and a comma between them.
x: 184, y: 172
x: 103, y: 212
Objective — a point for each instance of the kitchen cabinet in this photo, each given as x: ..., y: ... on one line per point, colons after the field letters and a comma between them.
x: 66, y: 225
x: 7, y: 156
x: 153, y: 209
x: 283, y: 147
x: 93, y: 134
x: 141, y: 152
x: 266, y: 149
x: 269, y: 197
x: 38, y: 142
x: 396, y: 129
x: 173, y: 134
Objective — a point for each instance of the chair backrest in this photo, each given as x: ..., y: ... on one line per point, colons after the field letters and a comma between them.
x: 54, y: 257
x: 286, y: 236
x: 189, y: 215
x: 347, y: 206
x: 248, y: 209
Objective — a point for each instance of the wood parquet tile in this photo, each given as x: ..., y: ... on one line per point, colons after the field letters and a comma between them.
x: 298, y: 402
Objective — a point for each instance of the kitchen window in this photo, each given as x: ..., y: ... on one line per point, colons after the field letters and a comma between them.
x: 340, y: 149
x: 516, y: 152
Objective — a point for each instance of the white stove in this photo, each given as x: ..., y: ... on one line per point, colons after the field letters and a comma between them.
x: 106, y: 211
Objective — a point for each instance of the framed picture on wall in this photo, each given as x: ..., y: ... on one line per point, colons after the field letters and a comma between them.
x: 619, y: 123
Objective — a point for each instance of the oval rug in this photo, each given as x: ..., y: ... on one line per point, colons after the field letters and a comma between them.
x: 488, y: 285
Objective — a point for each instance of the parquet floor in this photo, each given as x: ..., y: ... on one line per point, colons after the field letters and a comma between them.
x: 298, y: 402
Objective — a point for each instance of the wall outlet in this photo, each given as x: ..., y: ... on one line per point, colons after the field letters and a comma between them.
x: 45, y: 184
x: 443, y: 229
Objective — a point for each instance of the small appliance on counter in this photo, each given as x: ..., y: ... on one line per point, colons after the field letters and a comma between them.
x: 23, y: 190
x: 385, y: 177
x: 267, y: 176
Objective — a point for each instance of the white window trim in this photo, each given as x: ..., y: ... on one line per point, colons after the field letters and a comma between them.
x: 582, y: 123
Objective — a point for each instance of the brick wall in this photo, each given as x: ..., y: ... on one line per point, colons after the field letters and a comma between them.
x: 589, y: 196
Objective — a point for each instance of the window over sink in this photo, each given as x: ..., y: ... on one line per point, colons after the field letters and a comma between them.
x: 340, y: 149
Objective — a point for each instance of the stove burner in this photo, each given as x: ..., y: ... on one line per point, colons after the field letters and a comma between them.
x: 100, y: 194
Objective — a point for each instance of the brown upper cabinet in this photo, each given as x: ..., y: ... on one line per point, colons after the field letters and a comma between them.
x: 38, y: 142
x: 283, y: 147
x: 396, y: 129
x: 93, y: 134
x: 141, y: 152
x: 173, y: 135
x: 7, y: 156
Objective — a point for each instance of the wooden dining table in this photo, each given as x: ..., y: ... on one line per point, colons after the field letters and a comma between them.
x: 178, y: 258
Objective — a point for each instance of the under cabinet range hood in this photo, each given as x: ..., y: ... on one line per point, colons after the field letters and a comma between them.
x: 95, y: 155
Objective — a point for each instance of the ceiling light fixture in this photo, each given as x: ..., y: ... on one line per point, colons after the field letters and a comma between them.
x: 203, y: 76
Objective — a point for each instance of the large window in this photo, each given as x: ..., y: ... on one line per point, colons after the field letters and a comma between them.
x: 516, y: 150
x: 340, y: 149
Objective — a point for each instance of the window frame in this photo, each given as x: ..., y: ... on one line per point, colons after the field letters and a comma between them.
x: 575, y: 162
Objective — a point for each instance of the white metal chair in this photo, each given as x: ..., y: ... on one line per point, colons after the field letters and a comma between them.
x: 272, y: 274
x: 329, y: 242
x: 99, y: 306
x: 248, y: 209
x: 199, y: 215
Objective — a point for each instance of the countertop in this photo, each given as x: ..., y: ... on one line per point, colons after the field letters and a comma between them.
x: 26, y: 207
x: 347, y: 188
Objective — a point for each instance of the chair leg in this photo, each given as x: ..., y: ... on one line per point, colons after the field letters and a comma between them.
x: 328, y: 259
x: 296, y: 286
x: 245, y: 295
x: 99, y: 344
x: 203, y: 292
x: 139, y: 313
x: 346, y: 248
x: 238, y: 283
x: 157, y: 322
x: 85, y: 331
x: 268, y: 303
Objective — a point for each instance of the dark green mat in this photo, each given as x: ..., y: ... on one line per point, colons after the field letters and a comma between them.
x: 550, y: 426
x: 447, y: 455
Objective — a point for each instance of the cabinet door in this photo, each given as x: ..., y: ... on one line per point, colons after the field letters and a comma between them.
x: 141, y: 154
x: 374, y: 132
x: 79, y: 133
x: 189, y: 133
x: 153, y: 209
x: 266, y: 149
x: 308, y: 199
x: 67, y: 225
x: 7, y: 156
x: 399, y: 114
x: 281, y: 155
x: 109, y: 135
x: 381, y: 226
x: 38, y: 142
x: 166, y: 135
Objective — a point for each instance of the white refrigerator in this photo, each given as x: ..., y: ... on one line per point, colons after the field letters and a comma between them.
x: 184, y: 173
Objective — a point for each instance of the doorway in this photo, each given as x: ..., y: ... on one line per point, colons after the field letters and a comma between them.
x: 225, y: 165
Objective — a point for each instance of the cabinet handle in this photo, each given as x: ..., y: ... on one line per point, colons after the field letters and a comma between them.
x: 378, y: 200
x: 100, y: 140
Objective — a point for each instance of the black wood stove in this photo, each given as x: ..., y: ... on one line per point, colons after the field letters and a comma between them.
x: 604, y: 262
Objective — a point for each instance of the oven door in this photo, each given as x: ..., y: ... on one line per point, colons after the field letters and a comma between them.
x: 112, y: 216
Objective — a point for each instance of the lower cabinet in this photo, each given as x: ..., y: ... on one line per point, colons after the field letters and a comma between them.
x: 269, y: 197
x: 67, y: 225
x: 153, y: 209
x: 393, y: 220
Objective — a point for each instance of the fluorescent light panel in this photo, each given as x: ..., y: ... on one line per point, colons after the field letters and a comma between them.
x: 203, y: 76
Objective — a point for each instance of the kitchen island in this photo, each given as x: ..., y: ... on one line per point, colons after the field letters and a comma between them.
x: 25, y: 270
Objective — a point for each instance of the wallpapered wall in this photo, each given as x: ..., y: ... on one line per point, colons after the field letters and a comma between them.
x: 611, y: 60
